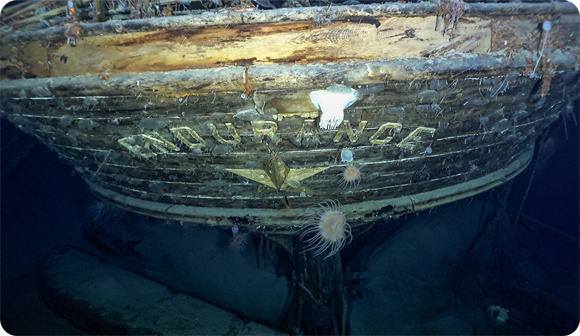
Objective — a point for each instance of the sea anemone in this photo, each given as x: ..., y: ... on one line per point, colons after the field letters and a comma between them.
x: 240, y: 241
x: 350, y: 177
x: 327, y: 222
x: 104, y: 213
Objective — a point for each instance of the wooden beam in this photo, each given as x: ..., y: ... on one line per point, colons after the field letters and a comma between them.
x: 30, y: 6
x: 269, y: 77
x: 339, y: 13
x: 249, y: 44
x: 11, y: 9
x: 99, y: 11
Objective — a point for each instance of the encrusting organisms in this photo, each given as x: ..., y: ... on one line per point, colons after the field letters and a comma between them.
x: 546, y: 27
x: 350, y: 177
x: 346, y: 155
x: 240, y: 240
x: 332, y: 103
x: 328, y: 223
x: 104, y: 213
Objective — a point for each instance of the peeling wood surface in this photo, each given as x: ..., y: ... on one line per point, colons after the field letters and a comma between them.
x: 356, y: 33
x: 339, y: 13
x: 267, y: 44
x: 276, y: 44
x: 281, y: 77
x: 517, y: 33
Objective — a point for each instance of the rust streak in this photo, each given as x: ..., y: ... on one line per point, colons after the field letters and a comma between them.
x: 248, y: 91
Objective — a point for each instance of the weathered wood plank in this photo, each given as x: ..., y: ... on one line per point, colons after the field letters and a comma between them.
x: 99, y: 11
x: 517, y: 33
x: 339, y: 13
x: 182, y: 83
x: 267, y: 44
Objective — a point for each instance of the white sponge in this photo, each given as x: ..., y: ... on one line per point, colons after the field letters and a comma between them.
x: 332, y: 103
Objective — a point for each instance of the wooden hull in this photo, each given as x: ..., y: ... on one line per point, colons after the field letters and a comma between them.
x: 208, y: 119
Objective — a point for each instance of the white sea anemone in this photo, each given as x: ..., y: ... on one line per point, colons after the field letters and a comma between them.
x: 240, y: 240
x: 327, y: 222
x: 104, y: 213
x: 332, y: 103
x: 350, y: 177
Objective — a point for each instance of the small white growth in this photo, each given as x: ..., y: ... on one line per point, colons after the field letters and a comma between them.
x: 332, y: 103
x: 498, y: 313
x: 346, y: 155
x: 547, y: 26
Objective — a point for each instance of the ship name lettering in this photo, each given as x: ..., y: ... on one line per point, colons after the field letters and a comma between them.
x: 150, y: 145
